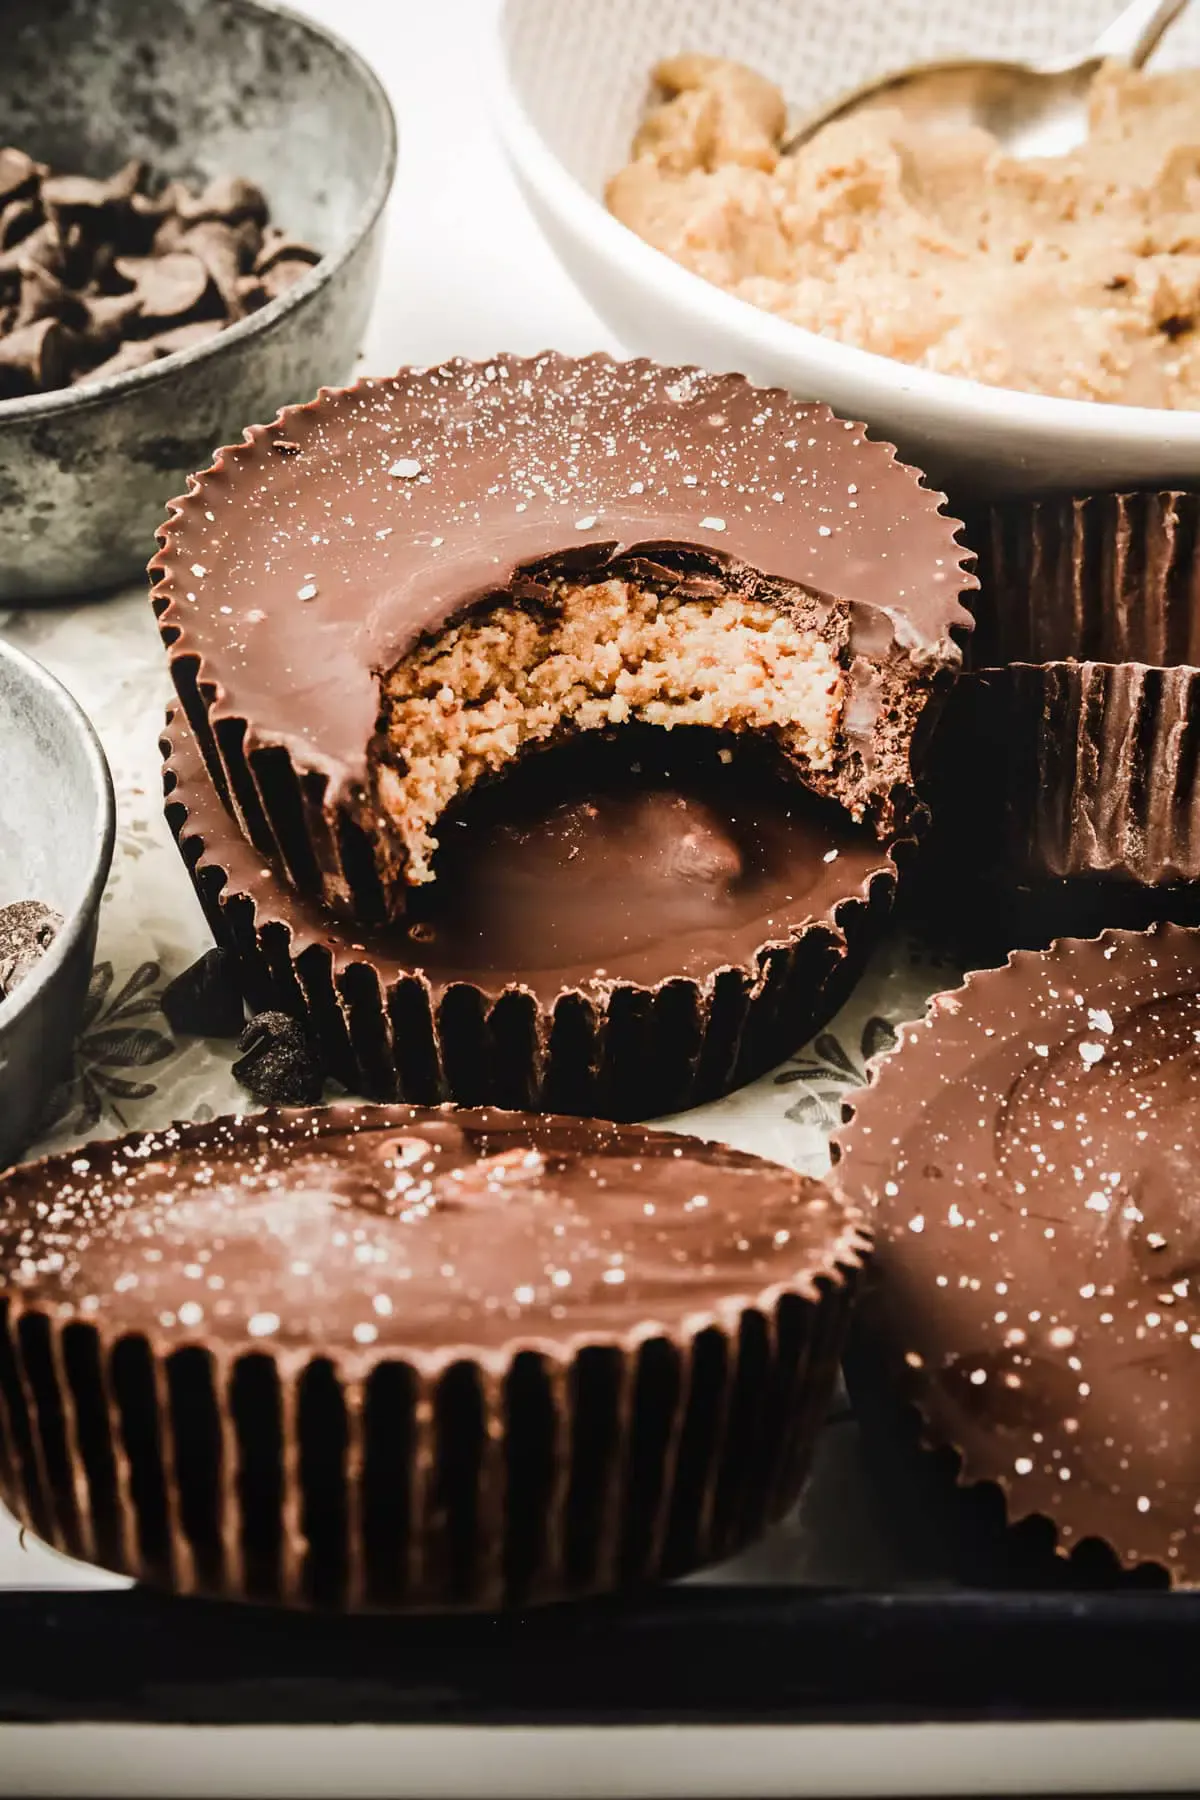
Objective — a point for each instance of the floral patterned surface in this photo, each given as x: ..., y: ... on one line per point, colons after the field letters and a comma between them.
x: 131, y: 1073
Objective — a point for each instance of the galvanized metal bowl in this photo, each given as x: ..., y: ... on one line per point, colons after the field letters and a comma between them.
x: 197, y: 88
x: 57, y: 823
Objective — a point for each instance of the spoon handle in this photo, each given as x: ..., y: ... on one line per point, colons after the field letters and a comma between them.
x: 1132, y: 37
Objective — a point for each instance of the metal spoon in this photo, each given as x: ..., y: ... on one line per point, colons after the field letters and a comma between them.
x: 1031, y: 110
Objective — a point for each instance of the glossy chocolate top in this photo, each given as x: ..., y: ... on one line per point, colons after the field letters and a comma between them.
x: 644, y: 860
x: 393, y: 1228
x: 1030, y: 1160
x: 310, y: 557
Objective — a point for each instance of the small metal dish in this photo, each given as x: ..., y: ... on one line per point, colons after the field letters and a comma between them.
x: 57, y: 824
x: 197, y: 88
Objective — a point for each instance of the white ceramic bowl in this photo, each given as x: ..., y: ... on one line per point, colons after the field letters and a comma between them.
x: 568, y: 85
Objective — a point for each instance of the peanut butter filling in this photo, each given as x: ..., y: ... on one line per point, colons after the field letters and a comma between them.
x: 510, y: 678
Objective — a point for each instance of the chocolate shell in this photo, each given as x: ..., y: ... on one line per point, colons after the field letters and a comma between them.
x: 1070, y: 752
x: 312, y: 556
x: 1029, y: 1160
x: 622, y: 947
x: 380, y: 1357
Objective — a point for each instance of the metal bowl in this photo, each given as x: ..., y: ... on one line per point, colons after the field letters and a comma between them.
x: 57, y: 822
x: 197, y: 88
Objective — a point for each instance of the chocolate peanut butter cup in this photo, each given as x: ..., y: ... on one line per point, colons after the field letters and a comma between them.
x: 1029, y: 1160
x: 392, y: 593
x: 395, y: 598
x: 381, y: 1357
x: 1069, y: 756
x: 638, y: 926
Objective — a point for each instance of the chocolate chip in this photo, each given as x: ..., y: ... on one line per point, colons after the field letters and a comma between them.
x: 278, y: 1064
x: 205, y: 1001
x: 220, y: 249
x: 283, y: 275
x: 252, y: 294
x: 135, y: 353
x: 17, y: 219
x: 229, y: 197
x: 169, y: 287
x: 186, y: 337
x: 107, y: 316
x: 278, y: 247
x: 69, y: 195
x: 42, y: 246
x: 18, y: 175
x: 43, y: 296
x: 27, y: 930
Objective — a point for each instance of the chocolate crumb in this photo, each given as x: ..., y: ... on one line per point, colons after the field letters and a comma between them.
x: 204, y: 1000
x: 27, y: 930
x: 278, y: 1064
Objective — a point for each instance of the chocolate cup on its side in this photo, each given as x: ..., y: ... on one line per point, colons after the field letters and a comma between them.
x: 1069, y: 756
x: 560, y: 1041
x: 247, y: 1461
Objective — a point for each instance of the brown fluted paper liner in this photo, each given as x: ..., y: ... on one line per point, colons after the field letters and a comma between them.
x: 1070, y: 749
x: 387, y: 1031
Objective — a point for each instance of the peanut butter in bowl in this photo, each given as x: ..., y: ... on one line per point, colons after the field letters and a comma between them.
x: 1075, y: 276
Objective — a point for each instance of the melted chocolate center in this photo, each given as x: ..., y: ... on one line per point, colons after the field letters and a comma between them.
x: 637, y: 857
x: 643, y: 858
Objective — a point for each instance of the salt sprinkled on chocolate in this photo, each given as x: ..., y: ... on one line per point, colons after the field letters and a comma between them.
x: 1045, y: 1128
x: 435, y: 1227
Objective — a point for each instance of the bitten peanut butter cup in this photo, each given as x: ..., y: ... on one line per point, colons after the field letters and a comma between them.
x: 383, y: 1357
x: 392, y: 598
x: 1069, y: 753
x: 392, y: 594
x: 1028, y: 1160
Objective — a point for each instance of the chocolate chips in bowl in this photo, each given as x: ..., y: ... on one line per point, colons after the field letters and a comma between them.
x: 545, y: 726
x: 223, y: 108
x: 98, y: 277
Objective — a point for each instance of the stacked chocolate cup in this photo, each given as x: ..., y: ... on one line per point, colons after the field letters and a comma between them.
x: 1027, y: 1157
x: 731, y: 595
